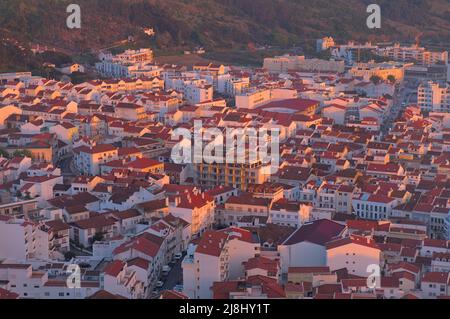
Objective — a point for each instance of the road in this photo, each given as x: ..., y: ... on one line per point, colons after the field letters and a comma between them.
x: 174, y: 278
x: 402, y: 97
x: 67, y: 168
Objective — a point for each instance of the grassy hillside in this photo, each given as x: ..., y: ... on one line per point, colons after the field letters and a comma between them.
x: 218, y: 24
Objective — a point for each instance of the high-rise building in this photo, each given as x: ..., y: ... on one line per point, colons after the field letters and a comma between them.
x: 434, y: 97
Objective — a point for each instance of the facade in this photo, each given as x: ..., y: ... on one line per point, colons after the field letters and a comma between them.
x: 416, y: 54
x: 434, y: 97
x: 287, y: 63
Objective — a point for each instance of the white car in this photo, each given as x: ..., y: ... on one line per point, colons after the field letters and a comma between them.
x: 178, y: 256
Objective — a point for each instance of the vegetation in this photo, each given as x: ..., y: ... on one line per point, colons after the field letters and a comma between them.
x: 69, y: 255
x: 392, y: 79
x: 375, y: 79
x: 4, y: 153
x: 22, y: 153
x: 213, y: 24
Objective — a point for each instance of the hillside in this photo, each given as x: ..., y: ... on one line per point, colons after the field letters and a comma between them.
x: 217, y: 24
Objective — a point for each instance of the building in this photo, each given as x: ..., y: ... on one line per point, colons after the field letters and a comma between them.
x: 383, y: 70
x: 355, y: 253
x: 419, y: 55
x: 324, y: 44
x: 434, y: 97
x: 195, y: 208
x: 287, y: 213
x: 306, y: 247
x: 435, y: 284
x: 218, y: 257
x: 376, y: 207
x: 22, y: 240
x: 88, y: 159
x: 285, y: 63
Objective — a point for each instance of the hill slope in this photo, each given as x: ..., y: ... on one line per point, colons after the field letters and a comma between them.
x: 219, y: 23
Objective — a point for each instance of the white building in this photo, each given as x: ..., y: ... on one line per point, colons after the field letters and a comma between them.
x: 434, y: 97
x: 376, y: 207
x: 305, y: 247
x: 435, y: 284
x: 89, y: 159
x: 324, y: 44
x: 218, y: 256
x: 447, y: 226
x: 355, y: 253
x: 22, y: 240
x: 292, y: 214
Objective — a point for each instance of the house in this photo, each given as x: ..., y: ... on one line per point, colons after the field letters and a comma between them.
x: 355, y: 253
x: 147, y: 246
x: 217, y: 257
x: 287, y: 213
x: 262, y: 266
x: 88, y: 159
x: 307, y: 245
x: 120, y: 279
x: 435, y: 284
x: 194, y: 207
x: 85, y: 232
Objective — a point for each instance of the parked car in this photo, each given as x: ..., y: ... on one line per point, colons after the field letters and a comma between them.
x: 165, y: 270
x: 178, y: 256
x: 178, y: 288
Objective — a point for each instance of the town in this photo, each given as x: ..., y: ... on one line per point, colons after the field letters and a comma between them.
x: 94, y: 204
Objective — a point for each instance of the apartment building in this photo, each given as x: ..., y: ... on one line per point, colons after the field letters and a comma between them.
x: 194, y: 207
x: 88, y: 159
x: 434, y: 97
x: 218, y: 256
x: 356, y: 253
x: 413, y: 53
x: 382, y: 70
x: 285, y: 63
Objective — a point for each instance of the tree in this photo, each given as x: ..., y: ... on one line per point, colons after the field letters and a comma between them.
x: 97, y: 237
x: 4, y: 153
x: 375, y: 79
x: 69, y: 255
x: 392, y: 79
x: 22, y: 153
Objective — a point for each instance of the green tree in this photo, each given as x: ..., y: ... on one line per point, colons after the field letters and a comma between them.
x: 97, y: 237
x: 392, y: 79
x: 4, y: 153
x: 375, y: 79
x: 22, y: 153
x: 69, y: 255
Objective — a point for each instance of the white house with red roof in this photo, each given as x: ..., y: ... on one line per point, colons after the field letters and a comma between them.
x: 147, y: 246
x: 435, y: 284
x: 306, y: 246
x: 374, y: 206
x: 22, y: 240
x: 355, y: 253
x: 86, y: 231
x: 194, y: 207
x: 217, y: 256
x: 120, y: 279
x: 262, y: 266
x: 88, y: 159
